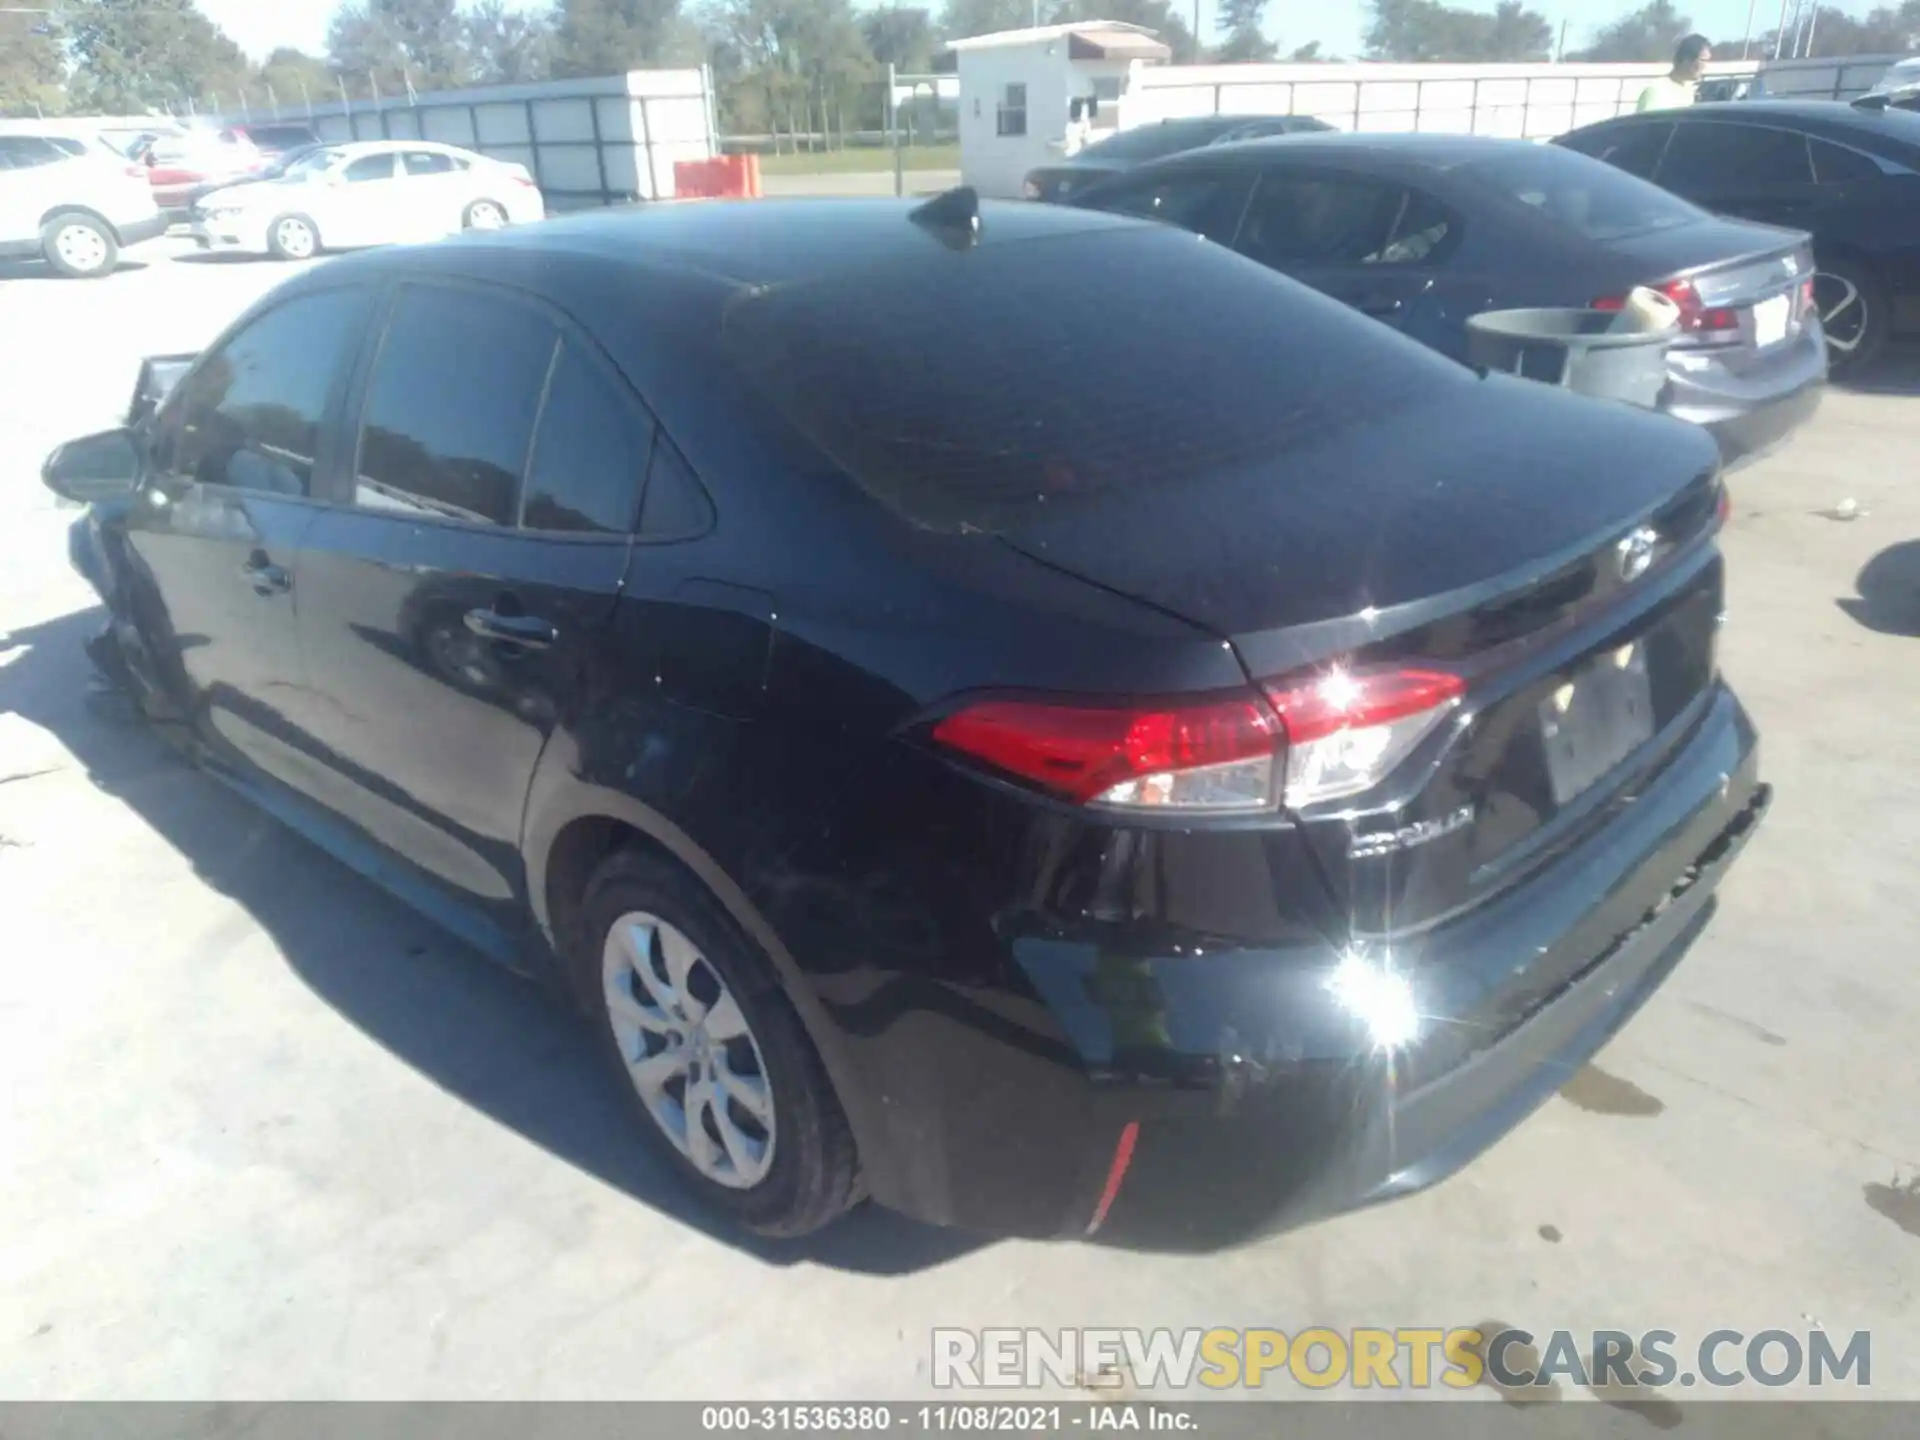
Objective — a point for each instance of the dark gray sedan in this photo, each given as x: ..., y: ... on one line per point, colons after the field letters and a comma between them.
x: 1422, y: 231
x: 1119, y: 153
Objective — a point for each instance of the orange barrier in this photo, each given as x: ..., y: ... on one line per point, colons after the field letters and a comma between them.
x: 725, y: 177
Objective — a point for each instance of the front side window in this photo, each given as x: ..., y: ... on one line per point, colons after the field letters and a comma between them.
x: 1206, y: 202
x: 448, y: 421
x: 1011, y: 116
x: 370, y: 167
x: 250, y: 415
x: 28, y: 152
x: 1710, y: 158
x: 1305, y: 218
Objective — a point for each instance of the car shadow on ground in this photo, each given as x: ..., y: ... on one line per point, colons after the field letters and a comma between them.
x: 34, y: 268
x: 1896, y: 373
x: 217, y: 258
x: 491, y: 1039
x: 1889, y: 591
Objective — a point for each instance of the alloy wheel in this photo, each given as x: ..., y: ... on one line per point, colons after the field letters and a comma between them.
x: 296, y: 239
x: 1843, y: 311
x: 692, y: 1057
x: 485, y: 215
x: 82, y: 247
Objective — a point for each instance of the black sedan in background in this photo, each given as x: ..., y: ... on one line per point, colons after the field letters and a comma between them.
x: 1423, y: 231
x: 1849, y: 175
x: 1120, y: 152
x: 1056, y: 768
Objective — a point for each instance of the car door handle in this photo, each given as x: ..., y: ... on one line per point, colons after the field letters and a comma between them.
x: 529, y: 632
x: 266, y: 577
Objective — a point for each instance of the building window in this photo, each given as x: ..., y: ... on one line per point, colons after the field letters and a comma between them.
x: 1011, y: 116
x: 1106, y: 89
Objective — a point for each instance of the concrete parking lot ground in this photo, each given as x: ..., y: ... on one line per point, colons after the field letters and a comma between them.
x: 265, y: 1134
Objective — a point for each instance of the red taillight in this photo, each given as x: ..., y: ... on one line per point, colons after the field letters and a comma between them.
x: 1321, y: 738
x: 1112, y: 755
x: 1723, y: 504
x: 1806, y: 295
x: 1696, y: 317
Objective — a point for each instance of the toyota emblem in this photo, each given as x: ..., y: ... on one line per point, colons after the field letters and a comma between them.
x: 1634, y: 555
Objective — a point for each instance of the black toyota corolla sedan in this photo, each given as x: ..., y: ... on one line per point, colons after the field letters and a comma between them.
x: 1054, y: 768
x: 1423, y: 231
x: 1121, y: 151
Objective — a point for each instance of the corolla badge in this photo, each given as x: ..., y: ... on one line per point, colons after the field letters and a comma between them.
x: 1421, y: 832
x: 1634, y: 554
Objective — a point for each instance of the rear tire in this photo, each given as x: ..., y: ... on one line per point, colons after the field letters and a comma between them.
x: 1854, y: 312
x: 293, y: 237
x: 773, y: 1150
x: 485, y: 215
x: 79, y: 246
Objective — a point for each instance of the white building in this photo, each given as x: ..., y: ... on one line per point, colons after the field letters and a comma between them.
x: 1017, y: 89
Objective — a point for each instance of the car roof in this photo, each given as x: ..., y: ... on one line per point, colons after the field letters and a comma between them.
x: 755, y: 242
x: 1835, y: 119
x: 1382, y: 152
x: 378, y: 147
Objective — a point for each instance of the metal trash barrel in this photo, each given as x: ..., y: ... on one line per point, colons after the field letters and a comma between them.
x: 1579, y: 350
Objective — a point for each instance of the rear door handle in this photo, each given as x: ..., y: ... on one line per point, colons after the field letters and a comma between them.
x: 266, y: 577
x: 529, y: 632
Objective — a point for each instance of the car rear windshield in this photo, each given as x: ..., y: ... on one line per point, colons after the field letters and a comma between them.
x: 968, y: 392
x: 1581, y: 194
x: 1149, y: 142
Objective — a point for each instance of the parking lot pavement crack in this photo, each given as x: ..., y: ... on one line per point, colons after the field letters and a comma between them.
x: 1839, y: 1137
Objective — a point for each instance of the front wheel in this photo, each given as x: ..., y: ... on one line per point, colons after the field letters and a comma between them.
x: 726, y: 1081
x: 292, y: 237
x: 79, y: 247
x: 1853, y: 312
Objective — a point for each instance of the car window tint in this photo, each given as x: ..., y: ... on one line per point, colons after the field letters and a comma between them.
x: 250, y: 414
x: 370, y: 167
x: 1836, y: 164
x: 1303, y: 218
x: 590, y: 453
x: 677, y: 505
x: 998, y: 422
x: 1635, y: 149
x: 427, y: 162
x: 1423, y: 231
x: 1577, y: 193
x: 1207, y: 203
x: 450, y: 409
x: 27, y: 152
x: 1707, y: 157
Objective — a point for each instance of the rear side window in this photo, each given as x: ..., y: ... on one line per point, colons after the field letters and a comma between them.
x: 1300, y: 218
x: 1635, y: 149
x: 677, y: 506
x: 250, y: 415
x: 590, y: 455
x: 1579, y: 194
x: 28, y: 152
x: 1836, y: 164
x: 1207, y: 203
x: 427, y: 162
x: 370, y: 167
x: 1711, y: 158
x: 1044, y: 390
x: 450, y: 409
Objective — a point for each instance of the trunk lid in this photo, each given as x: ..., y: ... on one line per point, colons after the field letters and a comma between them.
x: 1491, y: 534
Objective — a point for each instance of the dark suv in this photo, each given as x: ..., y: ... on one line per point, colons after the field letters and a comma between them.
x: 1224, y: 770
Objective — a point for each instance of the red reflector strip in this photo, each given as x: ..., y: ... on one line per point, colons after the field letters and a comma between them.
x: 1116, y: 1172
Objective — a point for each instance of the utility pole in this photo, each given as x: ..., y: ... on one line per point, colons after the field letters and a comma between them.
x: 1746, y: 40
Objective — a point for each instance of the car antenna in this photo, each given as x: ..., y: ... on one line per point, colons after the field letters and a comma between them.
x: 953, y: 215
x: 1872, y: 102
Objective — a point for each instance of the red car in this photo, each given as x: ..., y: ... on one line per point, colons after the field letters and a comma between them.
x: 179, y: 165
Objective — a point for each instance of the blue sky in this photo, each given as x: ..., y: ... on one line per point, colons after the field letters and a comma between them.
x: 259, y: 25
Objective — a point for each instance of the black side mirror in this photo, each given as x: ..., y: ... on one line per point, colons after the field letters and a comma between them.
x: 95, y: 467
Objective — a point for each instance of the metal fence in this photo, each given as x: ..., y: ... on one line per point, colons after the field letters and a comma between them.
x: 602, y: 141
x: 1519, y: 101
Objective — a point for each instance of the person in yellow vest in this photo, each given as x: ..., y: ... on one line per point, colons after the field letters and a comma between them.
x: 1676, y: 88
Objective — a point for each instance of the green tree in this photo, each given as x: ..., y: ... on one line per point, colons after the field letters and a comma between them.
x: 506, y: 46
x: 1649, y: 34
x: 1418, y: 30
x: 33, y: 68
x: 289, y: 78
x: 902, y: 37
x: 390, y: 44
x: 962, y: 19
x: 610, y: 37
x: 1885, y: 30
x: 1240, y: 21
x: 132, y: 56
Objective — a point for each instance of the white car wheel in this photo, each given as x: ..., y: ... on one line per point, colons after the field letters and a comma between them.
x: 292, y: 237
x: 79, y: 247
x: 486, y: 215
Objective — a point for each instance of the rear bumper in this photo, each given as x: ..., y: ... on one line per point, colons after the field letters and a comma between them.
x: 1250, y: 1101
x: 1746, y: 437
x: 1749, y: 411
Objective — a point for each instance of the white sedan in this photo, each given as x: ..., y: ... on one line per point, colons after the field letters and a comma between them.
x: 379, y: 192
